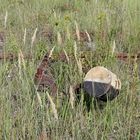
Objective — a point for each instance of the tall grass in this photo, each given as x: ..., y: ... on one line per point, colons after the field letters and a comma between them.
x: 36, y: 27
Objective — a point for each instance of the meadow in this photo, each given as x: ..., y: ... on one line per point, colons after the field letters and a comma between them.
x: 33, y: 27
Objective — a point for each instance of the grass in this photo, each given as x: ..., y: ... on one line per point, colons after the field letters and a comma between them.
x: 21, y: 115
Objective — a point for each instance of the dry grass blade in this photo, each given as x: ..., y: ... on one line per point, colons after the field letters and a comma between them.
x: 33, y: 37
x: 54, y: 13
x: 79, y: 63
x: 22, y: 59
x: 88, y: 36
x: 113, y: 48
x: 19, y: 65
x: 51, y: 52
x: 68, y: 33
x: 71, y: 92
x: 53, y: 106
x: 77, y: 31
x: 5, y: 19
x: 75, y: 50
x: 24, y: 37
x: 39, y: 99
x: 59, y: 39
x: 67, y: 57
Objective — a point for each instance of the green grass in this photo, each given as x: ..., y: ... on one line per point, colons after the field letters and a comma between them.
x: 21, y: 116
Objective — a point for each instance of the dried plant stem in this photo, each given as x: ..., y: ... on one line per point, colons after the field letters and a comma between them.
x: 24, y: 37
x: 59, y: 39
x: 67, y: 57
x: 51, y: 52
x: 68, y: 34
x: 71, y: 96
x: 33, y: 40
x: 19, y: 65
x: 79, y: 64
x: 77, y: 31
x: 53, y: 106
x: 113, y: 48
x: 22, y: 59
x: 39, y: 99
x: 5, y: 19
x: 89, y: 38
